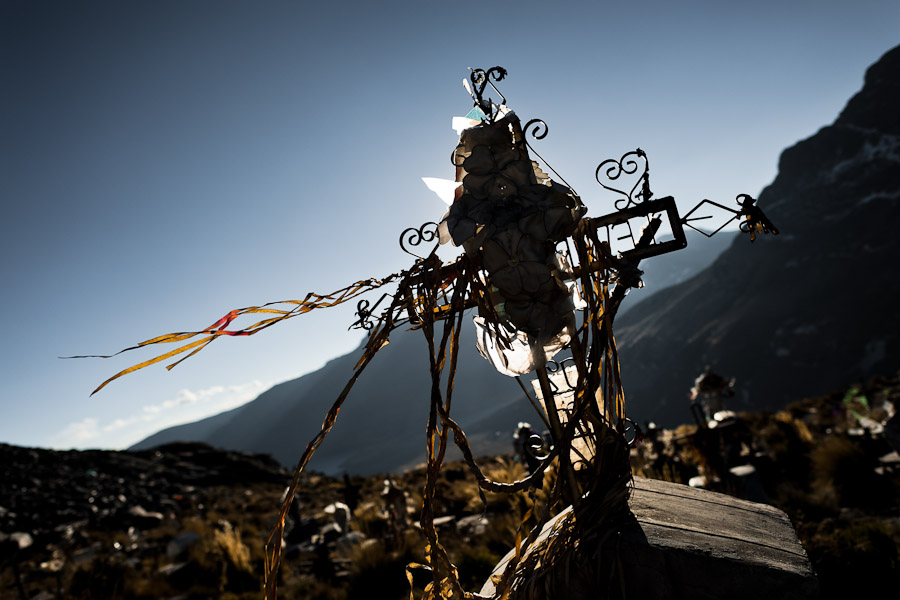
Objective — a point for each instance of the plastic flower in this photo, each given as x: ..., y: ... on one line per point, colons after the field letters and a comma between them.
x: 496, y: 172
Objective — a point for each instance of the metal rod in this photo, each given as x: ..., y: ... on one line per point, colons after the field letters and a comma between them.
x: 565, y: 463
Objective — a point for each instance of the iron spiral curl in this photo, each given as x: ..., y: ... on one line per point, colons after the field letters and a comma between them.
x: 534, y: 128
x: 628, y: 164
x: 554, y: 367
x: 536, y: 447
x: 480, y: 80
x: 366, y: 321
x: 364, y: 313
x: 746, y: 202
x: 413, y: 236
x: 631, y: 431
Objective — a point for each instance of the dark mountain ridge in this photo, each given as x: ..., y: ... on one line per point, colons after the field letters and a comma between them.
x: 802, y: 312
x: 381, y: 427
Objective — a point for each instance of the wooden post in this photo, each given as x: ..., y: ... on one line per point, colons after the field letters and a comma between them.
x: 690, y: 543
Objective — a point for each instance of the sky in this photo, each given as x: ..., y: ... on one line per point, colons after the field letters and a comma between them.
x: 164, y: 162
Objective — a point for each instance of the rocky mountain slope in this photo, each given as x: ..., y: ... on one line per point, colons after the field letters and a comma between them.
x: 802, y: 312
x: 673, y: 268
x: 44, y: 490
x: 382, y: 425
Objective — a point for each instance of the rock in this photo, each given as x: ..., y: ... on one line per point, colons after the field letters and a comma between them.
x: 472, y: 525
x: 179, y: 545
x: 348, y: 541
x: 22, y: 539
x: 749, y: 482
x: 441, y: 521
x: 84, y: 555
x: 144, y: 519
x: 171, y: 569
x: 54, y: 566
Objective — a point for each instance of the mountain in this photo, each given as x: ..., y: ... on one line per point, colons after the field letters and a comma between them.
x: 799, y: 313
x: 790, y: 315
x: 381, y: 427
x: 670, y: 269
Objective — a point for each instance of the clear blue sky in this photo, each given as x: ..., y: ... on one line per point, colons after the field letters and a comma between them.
x: 166, y: 161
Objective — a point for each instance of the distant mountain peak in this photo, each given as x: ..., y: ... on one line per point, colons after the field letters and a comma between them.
x: 875, y: 106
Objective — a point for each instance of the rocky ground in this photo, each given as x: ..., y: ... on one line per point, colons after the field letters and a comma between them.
x: 826, y: 461
x: 188, y: 521
x: 98, y: 524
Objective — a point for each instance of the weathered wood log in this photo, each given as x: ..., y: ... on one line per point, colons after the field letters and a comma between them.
x: 690, y: 543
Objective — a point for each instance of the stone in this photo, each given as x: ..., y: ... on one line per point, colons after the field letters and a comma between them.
x: 144, y: 518
x: 181, y: 543
x: 22, y: 539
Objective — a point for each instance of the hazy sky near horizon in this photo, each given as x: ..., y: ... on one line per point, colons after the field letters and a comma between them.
x: 164, y: 162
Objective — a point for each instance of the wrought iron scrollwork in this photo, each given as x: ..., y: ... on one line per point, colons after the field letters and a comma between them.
x: 632, y: 432
x: 364, y: 312
x: 537, y: 447
x: 537, y: 128
x: 687, y: 220
x: 554, y: 367
x: 755, y: 221
x: 413, y: 236
x: 629, y: 164
x: 480, y: 80
x: 664, y: 207
x: 589, y: 399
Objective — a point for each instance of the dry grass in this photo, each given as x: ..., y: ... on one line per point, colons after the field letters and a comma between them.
x: 846, y: 517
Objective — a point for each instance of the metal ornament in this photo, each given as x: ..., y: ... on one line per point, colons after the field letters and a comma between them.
x: 531, y: 258
x: 544, y: 279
